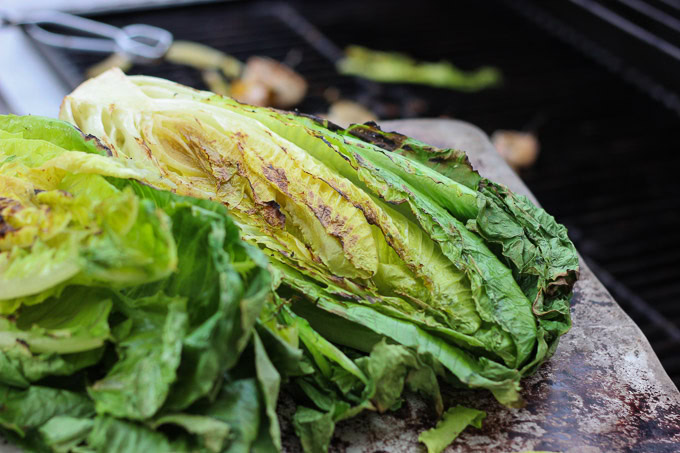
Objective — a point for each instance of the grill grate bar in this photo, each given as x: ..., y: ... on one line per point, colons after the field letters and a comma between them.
x: 667, y: 257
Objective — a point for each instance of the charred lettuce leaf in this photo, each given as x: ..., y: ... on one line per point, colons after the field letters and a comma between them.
x: 524, y: 236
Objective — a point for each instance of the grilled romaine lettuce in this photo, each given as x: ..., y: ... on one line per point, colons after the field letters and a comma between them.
x: 61, y: 227
x: 128, y: 313
x: 374, y: 229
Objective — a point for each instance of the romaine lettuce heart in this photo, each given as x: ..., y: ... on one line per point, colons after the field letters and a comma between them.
x: 374, y: 228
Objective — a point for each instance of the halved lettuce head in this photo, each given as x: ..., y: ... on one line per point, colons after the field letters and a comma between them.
x: 125, y: 311
x: 373, y: 231
x: 62, y: 223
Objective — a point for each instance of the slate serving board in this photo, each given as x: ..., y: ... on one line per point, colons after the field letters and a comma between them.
x: 604, y: 390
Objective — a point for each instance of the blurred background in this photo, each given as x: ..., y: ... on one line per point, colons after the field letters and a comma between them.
x: 579, y: 96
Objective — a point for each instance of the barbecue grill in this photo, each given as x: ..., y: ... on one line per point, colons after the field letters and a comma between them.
x: 607, y: 119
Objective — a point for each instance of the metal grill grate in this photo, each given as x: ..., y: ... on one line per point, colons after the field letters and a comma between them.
x: 609, y: 164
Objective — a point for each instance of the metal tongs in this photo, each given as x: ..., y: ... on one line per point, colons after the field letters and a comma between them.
x: 138, y: 42
x: 260, y: 81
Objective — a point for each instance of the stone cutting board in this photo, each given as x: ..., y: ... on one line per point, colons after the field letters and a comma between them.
x: 604, y: 390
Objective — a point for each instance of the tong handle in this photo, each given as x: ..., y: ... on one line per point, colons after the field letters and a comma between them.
x: 140, y: 43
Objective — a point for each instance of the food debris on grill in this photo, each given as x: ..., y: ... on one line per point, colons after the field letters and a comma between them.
x: 519, y: 149
x: 344, y: 112
x: 266, y: 82
x: 115, y: 60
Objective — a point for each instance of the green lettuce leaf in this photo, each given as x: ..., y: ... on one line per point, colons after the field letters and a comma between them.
x: 149, y: 347
x: 52, y: 131
x: 238, y: 404
x: 314, y: 429
x: 454, y: 421
x: 19, y: 366
x: 118, y: 436
x: 390, y: 368
x: 25, y: 410
x: 269, y: 381
x: 77, y: 321
x: 213, y: 433
x: 56, y: 337
x: 223, y: 309
x: 63, y: 433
